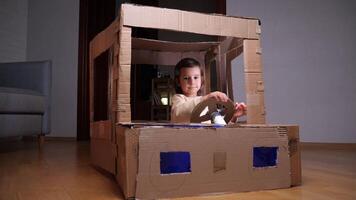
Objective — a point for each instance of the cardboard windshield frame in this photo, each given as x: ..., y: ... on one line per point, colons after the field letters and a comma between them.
x: 232, y: 28
x: 120, y: 148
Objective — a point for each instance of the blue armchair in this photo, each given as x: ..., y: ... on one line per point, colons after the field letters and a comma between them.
x: 25, y: 96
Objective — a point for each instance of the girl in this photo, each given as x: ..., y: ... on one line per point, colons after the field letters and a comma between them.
x: 189, y: 83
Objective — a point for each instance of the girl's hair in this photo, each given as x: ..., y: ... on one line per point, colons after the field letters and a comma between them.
x: 187, y: 63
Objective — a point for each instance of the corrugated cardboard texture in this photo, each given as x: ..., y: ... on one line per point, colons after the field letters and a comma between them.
x: 202, y: 144
x: 123, y: 113
x: 104, y: 40
x: 127, y: 144
x: 178, y: 20
x: 254, y: 83
x: 255, y: 98
x: 102, y: 143
x: 292, y: 132
x: 125, y: 46
x: 158, y: 45
x: 103, y: 154
x: 252, y: 56
x: 101, y: 130
x: 295, y: 157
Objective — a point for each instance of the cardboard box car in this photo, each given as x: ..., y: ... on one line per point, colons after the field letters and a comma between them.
x: 153, y: 160
x: 174, y: 161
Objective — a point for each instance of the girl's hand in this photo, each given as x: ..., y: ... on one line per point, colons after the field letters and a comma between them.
x: 219, y: 96
x: 239, y: 110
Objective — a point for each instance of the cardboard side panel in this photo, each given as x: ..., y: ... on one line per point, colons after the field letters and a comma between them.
x: 255, y: 98
x: 123, y: 113
x: 295, y: 157
x: 103, y: 154
x: 102, y: 147
x: 125, y: 46
x: 101, y: 43
x: 127, y: 163
x: 177, y: 20
x: 292, y: 131
x: 101, y: 130
x: 205, y: 145
x: 252, y: 56
x: 123, y: 99
x: 230, y: 55
x: 254, y: 83
x: 104, y: 39
x: 124, y: 75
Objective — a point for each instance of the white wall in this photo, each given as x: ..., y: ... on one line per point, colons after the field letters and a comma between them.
x: 53, y: 34
x: 309, y: 58
x: 13, y: 30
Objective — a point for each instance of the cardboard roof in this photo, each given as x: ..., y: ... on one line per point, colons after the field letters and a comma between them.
x: 191, y: 22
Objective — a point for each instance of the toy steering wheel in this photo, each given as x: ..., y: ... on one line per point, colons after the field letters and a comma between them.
x: 225, y: 109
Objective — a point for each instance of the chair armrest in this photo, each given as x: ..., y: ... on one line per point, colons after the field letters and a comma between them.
x: 36, y: 76
x: 27, y: 75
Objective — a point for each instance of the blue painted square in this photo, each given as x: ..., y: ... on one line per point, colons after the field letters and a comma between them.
x: 265, y: 156
x: 175, y: 162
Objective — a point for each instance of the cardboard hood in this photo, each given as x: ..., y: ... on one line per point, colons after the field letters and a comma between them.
x: 220, y: 160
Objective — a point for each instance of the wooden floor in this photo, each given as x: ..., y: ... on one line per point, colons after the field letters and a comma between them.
x: 62, y: 171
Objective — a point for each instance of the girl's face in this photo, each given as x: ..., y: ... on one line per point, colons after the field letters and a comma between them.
x: 190, y: 80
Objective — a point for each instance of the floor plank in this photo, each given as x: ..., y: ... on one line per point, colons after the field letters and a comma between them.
x: 62, y: 171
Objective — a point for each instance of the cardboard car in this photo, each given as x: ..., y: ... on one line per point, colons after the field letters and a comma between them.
x: 162, y: 160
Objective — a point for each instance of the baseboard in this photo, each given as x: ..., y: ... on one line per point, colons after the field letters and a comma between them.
x: 331, y: 146
x: 49, y: 138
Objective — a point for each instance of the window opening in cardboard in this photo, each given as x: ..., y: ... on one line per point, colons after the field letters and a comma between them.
x: 143, y: 74
x: 167, y: 53
x: 265, y: 157
x: 162, y: 93
x: 213, y: 77
x: 141, y: 87
x: 238, y: 81
x: 175, y: 162
x: 101, y: 78
x: 219, y: 161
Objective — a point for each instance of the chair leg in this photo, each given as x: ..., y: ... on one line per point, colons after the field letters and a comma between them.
x: 41, y: 140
